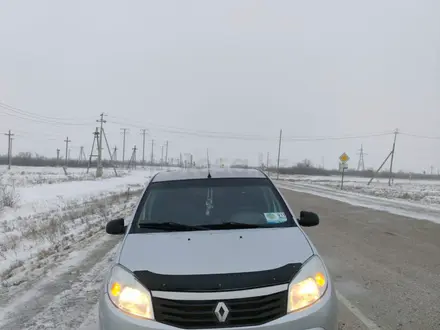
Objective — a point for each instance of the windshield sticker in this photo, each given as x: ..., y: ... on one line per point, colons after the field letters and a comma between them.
x: 277, y: 217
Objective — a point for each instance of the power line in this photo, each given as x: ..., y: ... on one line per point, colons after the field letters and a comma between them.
x: 35, y: 115
x: 232, y: 135
x: 244, y: 137
x: 44, y: 121
x: 34, y: 134
x: 343, y: 137
x: 173, y: 128
x: 421, y: 136
x: 26, y: 115
x: 16, y: 112
x: 235, y: 136
x: 195, y: 133
x: 37, y: 137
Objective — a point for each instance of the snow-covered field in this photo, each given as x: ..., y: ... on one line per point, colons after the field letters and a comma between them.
x: 24, y: 176
x: 426, y: 192
x: 52, y: 216
x: 418, y: 199
x: 52, y: 228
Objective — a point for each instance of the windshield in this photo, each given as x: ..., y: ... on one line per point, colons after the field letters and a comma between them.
x: 213, y: 202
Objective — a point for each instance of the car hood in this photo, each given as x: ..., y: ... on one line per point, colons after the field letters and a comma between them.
x: 214, y: 252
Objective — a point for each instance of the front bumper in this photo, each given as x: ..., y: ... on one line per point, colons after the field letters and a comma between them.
x: 320, y: 316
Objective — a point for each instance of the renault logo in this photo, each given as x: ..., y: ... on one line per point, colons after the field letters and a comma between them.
x: 221, y: 311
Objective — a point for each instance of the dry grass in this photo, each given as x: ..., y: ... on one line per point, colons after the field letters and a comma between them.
x: 44, y: 235
x: 8, y: 196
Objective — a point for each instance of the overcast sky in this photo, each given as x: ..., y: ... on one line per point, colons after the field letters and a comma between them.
x: 191, y: 70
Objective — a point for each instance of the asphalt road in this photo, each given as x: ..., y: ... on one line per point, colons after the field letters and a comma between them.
x: 386, y: 268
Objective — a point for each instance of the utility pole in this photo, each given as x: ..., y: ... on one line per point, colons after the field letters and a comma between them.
x: 279, y: 152
x: 132, y: 162
x: 67, y: 149
x: 58, y: 157
x: 10, y: 157
x: 143, y: 132
x: 101, y: 133
x: 95, y: 140
x: 161, y: 158
x: 152, y: 152
x: 134, y: 156
x: 392, y: 157
x: 9, y: 135
x: 361, y: 163
x: 267, y: 163
x: 166, y: 154
x: 81, y: 152
x: 391, y: 154
x: 124, y: 131
x: 115, y: 155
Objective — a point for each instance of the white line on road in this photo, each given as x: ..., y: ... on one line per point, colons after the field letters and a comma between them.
x: 356, y: 312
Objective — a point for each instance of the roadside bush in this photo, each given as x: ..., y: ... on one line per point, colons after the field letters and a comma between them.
x: 8, y: 196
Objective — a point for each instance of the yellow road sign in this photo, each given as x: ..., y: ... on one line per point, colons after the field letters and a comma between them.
x: 344, y: 158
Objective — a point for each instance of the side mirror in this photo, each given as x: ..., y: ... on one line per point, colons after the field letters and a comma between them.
x: 115, y: 227
x: 308, y: 219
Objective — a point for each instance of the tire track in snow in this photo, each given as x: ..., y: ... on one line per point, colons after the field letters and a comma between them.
x: 91, y: 323
x: 66, y: 302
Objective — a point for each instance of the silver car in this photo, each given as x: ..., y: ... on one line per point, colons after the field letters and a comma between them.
x: 216, y: 249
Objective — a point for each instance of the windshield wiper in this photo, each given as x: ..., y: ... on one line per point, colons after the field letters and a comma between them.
x: 234, y: 225
x: 170, y: 226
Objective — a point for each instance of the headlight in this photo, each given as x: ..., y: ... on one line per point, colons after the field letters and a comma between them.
x: 308, y: 286
x: 128, y: 294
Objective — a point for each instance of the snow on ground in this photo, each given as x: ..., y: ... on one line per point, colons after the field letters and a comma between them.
x: 426, y: 192
x: 404, y: 207
x: 66, y: 296
x: 25, y: 176
x: 54, y: 251
x: 91, y: 322
x: 62, y: 311
x: 46, y: 197
x: 49, y: 218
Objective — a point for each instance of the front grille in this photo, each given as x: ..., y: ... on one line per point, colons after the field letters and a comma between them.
x: 190, y: 314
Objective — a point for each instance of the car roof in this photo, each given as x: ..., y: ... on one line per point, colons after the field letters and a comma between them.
x: 194, y: 174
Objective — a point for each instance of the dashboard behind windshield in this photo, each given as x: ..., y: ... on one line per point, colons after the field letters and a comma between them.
x: 203, y: 202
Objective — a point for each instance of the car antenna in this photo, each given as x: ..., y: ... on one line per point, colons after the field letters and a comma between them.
x: 209, y: 166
